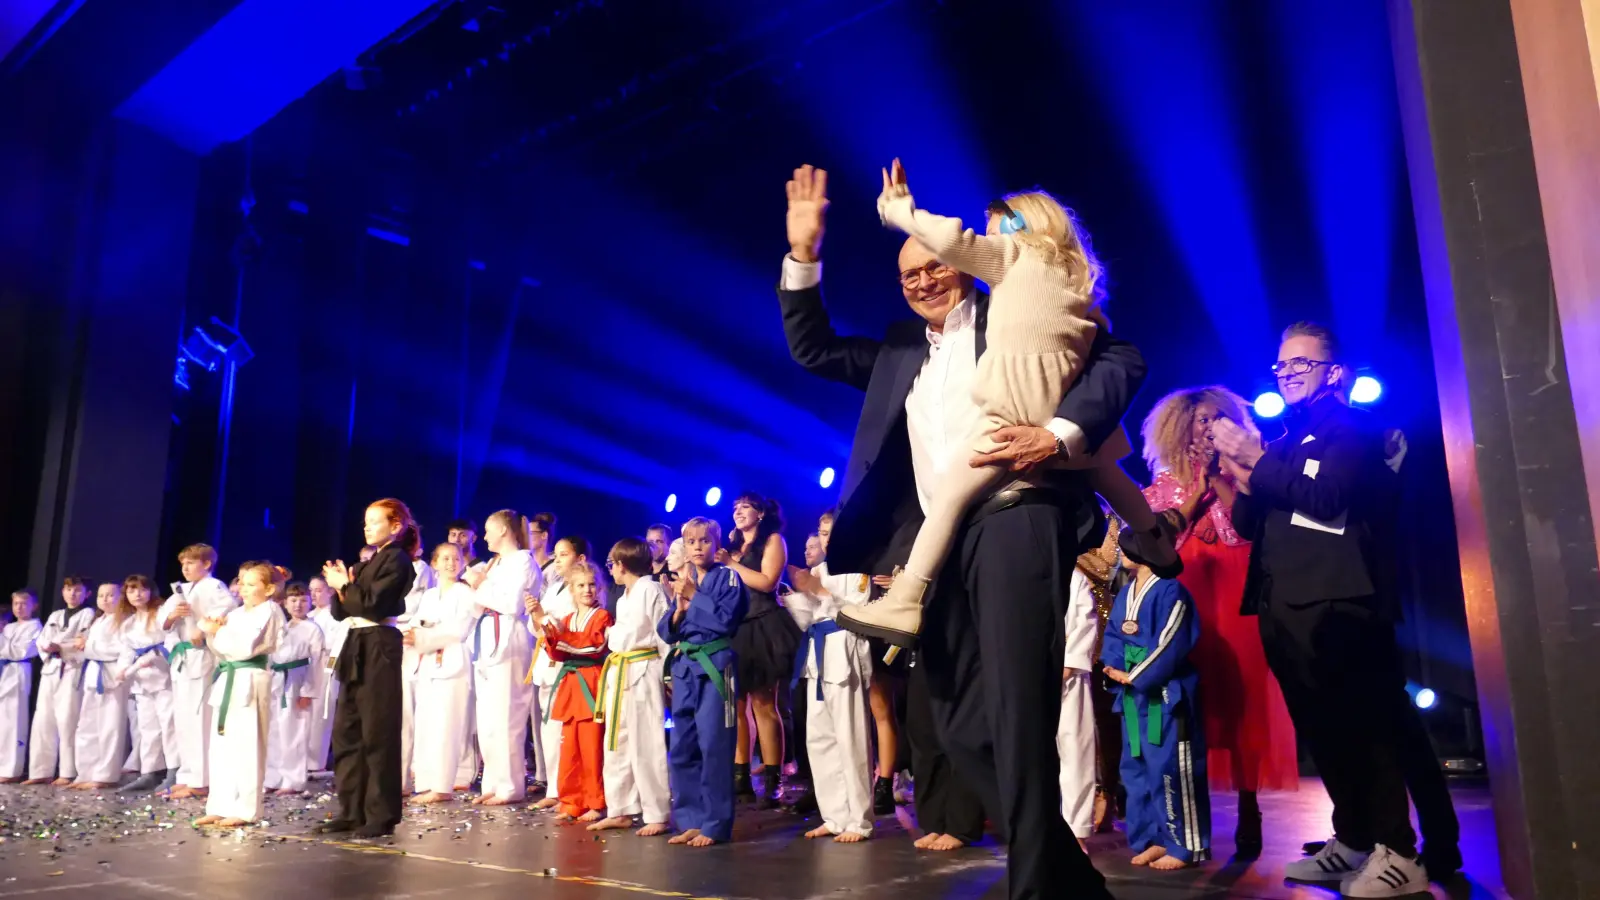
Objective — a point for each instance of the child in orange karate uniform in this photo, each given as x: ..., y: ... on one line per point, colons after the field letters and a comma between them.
x: 578, y: 643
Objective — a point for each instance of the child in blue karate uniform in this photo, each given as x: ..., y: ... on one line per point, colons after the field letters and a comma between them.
x: 710, y: 602
x: 1149, y: 634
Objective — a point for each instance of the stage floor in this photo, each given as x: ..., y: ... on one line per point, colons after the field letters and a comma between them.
x: 59, y: 845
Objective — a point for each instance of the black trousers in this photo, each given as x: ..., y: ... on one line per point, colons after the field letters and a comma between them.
x: 992, y: 643
x: 366, y: 727
x: 1425, y: 782
x: 945, y: 804
x: 1339, y: 667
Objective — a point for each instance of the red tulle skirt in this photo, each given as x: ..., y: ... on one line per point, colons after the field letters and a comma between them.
x: 1249, y: 736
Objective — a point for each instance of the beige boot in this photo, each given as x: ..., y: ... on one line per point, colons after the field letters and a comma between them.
x: 895, y: 619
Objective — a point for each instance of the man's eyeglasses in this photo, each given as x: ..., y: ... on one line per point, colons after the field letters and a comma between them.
x: 1297, y: 366
x: 934, y: 270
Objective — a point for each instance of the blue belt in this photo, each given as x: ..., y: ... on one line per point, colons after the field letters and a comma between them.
x: 477, y: 633
x: 99, y: 683
x: 815, y: 640
x: 156, y: 648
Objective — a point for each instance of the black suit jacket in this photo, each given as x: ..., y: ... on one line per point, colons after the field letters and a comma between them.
x: 878, y: 508
x: 1351, y: 488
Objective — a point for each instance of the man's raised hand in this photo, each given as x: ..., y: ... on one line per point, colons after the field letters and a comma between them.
x: 808, y: 203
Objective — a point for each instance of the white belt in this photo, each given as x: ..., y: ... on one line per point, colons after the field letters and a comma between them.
x: 358, y: 622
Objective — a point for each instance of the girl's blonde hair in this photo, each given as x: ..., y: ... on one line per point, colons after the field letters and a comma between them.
x: 1169, y: 429
x: 274, y: 576
x: 1055, y: 234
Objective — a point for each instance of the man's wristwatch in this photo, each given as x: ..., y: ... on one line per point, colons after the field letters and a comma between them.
x: 1061, y: 447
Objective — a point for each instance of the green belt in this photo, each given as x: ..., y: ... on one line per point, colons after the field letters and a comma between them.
x: 286, y: 668
x: 616, y: 667
x: 571, y: 667
x: 178, y: 651
x: 701, y: 653
x: 228, y: 667
x: 1132, y: 656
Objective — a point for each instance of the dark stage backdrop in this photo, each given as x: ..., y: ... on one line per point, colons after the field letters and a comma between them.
x: 531, y: 262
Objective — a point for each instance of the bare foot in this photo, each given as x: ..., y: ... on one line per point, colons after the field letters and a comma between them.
x: 497, y: 801
x: 651, y: 830
x: 613, y: 822
x: 685, y: 837
x: 849, y: 837
x: 546, y: 803
x: 701, y: 841
x: 1102, y: 806
x: 1150, y: 855
x: 463, y: 788
x: 592, y: 815
x: 199, y: 792
x: 431, y: 797
x: 922, y: 843
x: 945, y: 843
x: 17, y: 780
x: 1083, y: 844
x: 820, y: 831
x: 61, y: 782
x: 284, y: 792
x: 478, y: 800
x: 1168, y: 864
x: 233, y: 823
x: 206, y: 820
x: 36, y: 781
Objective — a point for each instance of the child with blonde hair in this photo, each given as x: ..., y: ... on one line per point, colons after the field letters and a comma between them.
x: 103, y: 717
x: 1043, y: 312
x: 18, y: 648
x: 243, y: 642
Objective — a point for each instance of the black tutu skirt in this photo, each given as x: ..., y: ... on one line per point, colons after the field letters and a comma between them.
x: 764, y: 648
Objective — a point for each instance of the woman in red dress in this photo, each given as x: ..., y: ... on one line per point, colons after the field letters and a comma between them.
x: 1249, y: 736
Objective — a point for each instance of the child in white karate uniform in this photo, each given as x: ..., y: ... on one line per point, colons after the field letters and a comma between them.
x: 632, y: 699
x: 424, y: 580
x: 103, y: 718
x: 198, y: 597
x: 145, y: 665
x: 501, y: 647
x: 18, y: 648
x: 51, y: 748
x: 243, y: 643
x: 1075, y: 732
x: 333, y: 632
x: 436, y: 654
x: 836, y: 668
x: 464, y: 534
x: 296, y: 690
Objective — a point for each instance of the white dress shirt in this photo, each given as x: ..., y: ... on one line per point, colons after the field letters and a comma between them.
x: 941, y: 416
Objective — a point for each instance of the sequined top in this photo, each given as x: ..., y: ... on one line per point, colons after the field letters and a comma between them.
x: 1166, y: 493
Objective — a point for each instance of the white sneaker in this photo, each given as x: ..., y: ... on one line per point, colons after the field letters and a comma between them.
x: 1386, y: 874
x: 1334, y: 862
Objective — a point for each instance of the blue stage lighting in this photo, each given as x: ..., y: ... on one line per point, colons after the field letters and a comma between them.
x: 672, y: 502
x: 1425, y: 698
x: 827, y: 478
x: 1366, y: 390
x: 714, y: 496
x: 1268, y: 406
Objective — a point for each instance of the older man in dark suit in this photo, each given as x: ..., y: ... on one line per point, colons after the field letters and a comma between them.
x: 1318, y: 507
x: 993, y: 632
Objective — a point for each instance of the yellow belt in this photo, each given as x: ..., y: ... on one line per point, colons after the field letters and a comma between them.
x: 616, y: 666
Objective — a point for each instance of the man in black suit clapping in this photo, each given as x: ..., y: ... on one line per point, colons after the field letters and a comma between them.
x: 993, y: 631
x: 1318, y: 506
